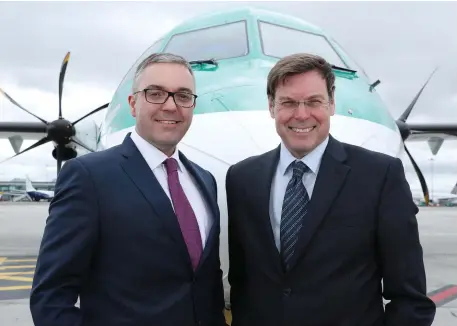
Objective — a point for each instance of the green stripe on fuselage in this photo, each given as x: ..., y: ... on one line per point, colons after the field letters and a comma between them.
x: 224, y: 90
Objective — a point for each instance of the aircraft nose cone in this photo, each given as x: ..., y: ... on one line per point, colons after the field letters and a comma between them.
x: 232, y: 124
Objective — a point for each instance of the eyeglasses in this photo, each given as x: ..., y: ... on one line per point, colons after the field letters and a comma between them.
x: 158, y: 96
x: 293, y: 105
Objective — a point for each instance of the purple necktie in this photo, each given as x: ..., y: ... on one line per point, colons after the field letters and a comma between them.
x: 184, y: 212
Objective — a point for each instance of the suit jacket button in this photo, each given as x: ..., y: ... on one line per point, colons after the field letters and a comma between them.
x: 287, y: 292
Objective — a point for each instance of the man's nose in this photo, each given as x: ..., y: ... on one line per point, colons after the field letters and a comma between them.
x: 169, y: 104
x: 302, y: 111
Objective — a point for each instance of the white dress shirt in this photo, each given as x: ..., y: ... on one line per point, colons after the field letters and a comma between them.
x: 282, y: 177
x: 155, y: 158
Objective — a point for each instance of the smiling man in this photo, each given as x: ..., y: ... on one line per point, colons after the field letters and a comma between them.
x: 133, y: 231
x: 316, y: 225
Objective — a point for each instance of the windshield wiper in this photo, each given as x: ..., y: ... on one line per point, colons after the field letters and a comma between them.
x: 206, y: 61
x: 344, y: 69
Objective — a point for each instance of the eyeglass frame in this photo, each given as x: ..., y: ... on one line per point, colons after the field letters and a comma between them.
x: 323, y: 104
x: 172, y: 94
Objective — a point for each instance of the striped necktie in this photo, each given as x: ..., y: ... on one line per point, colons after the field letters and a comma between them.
x: 294, y: 210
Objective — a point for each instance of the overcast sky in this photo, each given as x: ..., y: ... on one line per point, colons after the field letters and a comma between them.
x: 398, y: 43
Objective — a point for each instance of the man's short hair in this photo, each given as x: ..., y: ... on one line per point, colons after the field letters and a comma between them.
x: 159, y: 58
x: 297, y: 64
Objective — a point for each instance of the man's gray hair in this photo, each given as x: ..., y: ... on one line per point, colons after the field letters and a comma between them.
x: 158, y: 58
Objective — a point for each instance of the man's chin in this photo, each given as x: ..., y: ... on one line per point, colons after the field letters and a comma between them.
x: 300, y: 147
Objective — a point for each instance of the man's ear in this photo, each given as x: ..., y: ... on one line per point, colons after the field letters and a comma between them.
x: 271, y: 106
x: 332, y: 102
x: 132, y: 102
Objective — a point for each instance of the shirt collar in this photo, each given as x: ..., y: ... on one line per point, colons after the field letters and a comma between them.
x: 153, y: 156
x: 312, y: 159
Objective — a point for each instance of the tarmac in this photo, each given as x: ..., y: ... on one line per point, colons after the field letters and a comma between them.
x: 22, y: 224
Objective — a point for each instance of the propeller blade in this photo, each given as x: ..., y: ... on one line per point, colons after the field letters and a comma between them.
x: 408, y: 110
x: 63, y: 69
x: 420, y: 176
x: 78, y: 142
x: 20, y: 106
x: 90, y: 113
x: 38, y: 143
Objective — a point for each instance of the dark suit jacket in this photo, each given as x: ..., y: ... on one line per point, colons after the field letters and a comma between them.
x: 360, y: 228
x: 113, y: 239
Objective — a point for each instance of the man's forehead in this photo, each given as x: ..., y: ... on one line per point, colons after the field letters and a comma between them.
x: 172, y: 77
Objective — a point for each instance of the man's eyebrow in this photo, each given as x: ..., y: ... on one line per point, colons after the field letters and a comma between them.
x: 185, y: 89
x: 284, y: 97
x: 152, y: 86
x: 316, y: 96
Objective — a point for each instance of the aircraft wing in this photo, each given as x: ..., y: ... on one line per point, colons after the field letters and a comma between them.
x: 434, y: 134
x: 425, y: 131
x: 27, y: 130
x: 16, y: 132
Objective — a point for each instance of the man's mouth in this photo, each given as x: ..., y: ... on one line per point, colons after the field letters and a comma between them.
x: 167, y: 122
x: 302, y: 130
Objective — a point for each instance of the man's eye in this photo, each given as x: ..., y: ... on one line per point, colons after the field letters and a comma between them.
x: 155, y: 93
x: 288, y: 103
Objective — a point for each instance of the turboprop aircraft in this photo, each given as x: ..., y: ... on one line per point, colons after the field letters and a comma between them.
x: 231, y: 53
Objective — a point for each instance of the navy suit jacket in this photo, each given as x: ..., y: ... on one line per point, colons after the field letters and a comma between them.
x: 360, y: 231
x: 113, y: 239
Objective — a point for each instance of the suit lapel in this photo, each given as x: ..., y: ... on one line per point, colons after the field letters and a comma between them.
x: 330, y: 179
x: 262, y: 179
x: 139, y: 172
x: 205, y: 186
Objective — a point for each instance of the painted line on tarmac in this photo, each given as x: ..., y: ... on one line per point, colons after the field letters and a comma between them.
x: 14, y: 288
x: 20, y: 260
x: 16, y: 277
x: 444, y: 295
x: 7, y: 267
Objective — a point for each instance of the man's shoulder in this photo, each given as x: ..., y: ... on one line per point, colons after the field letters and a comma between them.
x: 370, y: 162
x: 367, y: 156
x: 251, y: 162
x: 98, y: 159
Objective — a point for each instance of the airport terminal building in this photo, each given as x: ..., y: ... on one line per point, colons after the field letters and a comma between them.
x: 19, y: 184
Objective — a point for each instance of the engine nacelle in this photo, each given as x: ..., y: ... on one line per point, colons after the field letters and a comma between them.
x: 87, y: 132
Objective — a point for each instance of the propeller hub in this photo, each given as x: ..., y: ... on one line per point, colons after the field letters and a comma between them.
x: 60, y: 131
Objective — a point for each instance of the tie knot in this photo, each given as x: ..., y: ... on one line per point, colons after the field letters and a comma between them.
x: 171, y: 165
x: 299, y: 169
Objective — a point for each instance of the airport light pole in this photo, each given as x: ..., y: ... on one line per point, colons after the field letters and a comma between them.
x: 432, y: 159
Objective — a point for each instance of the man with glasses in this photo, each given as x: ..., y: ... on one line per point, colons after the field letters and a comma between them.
x: 316, y: 225
x: 134, y: 230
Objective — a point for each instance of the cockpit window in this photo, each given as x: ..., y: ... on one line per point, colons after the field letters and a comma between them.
x: 348, y: 58
x: 279, y: 41
x: 128, y: 78
x: 218, y: 42
x: 154, y: 48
